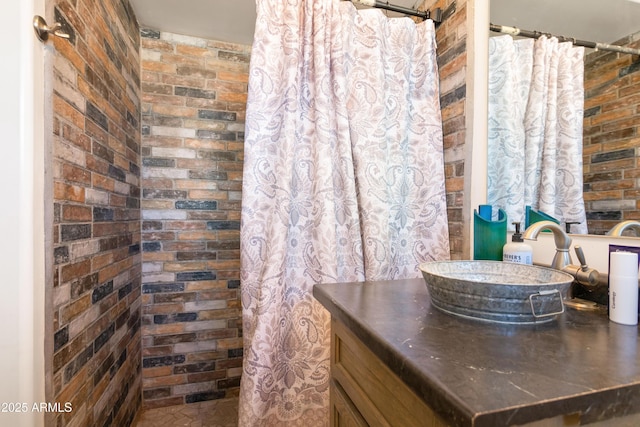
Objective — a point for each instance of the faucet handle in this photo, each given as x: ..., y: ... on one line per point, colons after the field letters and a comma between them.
x: 581, y: 258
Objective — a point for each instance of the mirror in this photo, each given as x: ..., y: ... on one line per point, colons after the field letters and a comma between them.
x: 611, y: 137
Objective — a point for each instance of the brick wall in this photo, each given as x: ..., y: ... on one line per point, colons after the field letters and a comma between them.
x: 194, y: 95
x: 94, y: 300
x: 612, y: 137
x: 451, y: 37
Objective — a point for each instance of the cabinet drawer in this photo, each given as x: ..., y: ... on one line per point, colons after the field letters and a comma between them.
x: 343, y: 411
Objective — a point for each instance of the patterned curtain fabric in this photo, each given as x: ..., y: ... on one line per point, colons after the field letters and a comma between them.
x: 536, y: 104
x: 343, y: 181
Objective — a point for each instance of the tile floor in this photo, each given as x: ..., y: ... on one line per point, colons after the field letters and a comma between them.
x: 212, y: 413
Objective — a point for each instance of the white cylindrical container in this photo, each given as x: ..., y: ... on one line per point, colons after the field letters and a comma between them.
x: 623, y: 288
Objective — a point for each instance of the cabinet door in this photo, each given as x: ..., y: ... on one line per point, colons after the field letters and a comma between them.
x: 343, y: 411
x: 380, y: 397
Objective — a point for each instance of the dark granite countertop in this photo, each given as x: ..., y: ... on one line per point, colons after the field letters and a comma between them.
x: 475, y: 373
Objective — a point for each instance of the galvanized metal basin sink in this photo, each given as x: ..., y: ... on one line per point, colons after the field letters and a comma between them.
x: 496, y: 291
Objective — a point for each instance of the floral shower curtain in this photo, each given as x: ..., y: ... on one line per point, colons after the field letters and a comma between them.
x: 343, y: 181
x: 536, y: 104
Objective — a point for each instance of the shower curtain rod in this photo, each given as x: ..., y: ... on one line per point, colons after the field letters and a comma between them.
x: 536, y: 34
x: 437, y: 13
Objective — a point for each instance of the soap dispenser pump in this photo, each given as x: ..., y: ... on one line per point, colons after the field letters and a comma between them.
x: 517, y: 250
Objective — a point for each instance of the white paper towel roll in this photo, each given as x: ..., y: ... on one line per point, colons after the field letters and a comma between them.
x: 623, y: 288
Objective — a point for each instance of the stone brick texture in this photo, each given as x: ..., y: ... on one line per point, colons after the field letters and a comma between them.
x: 94, y: 299
x: 611, y: 156
x: 147, y: 175
x: 193, y: 110
x: 451, y: 38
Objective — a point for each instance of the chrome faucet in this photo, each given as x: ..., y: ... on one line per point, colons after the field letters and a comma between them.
x: 562, y: 257
x: 619, y: 228
x: 562, y: 260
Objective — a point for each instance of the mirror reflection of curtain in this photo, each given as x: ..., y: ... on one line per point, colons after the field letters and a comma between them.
x: 536, y: 104
x: 343, y: 180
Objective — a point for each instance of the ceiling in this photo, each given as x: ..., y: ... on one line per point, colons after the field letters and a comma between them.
x: 233, y: 20
x: 223, y: 20
x: 590, y: 20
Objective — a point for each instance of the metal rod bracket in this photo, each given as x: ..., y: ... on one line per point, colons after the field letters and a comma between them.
x: 435, y: 16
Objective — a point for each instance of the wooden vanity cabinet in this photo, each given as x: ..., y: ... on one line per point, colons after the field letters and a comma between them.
x: 367, y: 390
x: 364, y: 392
